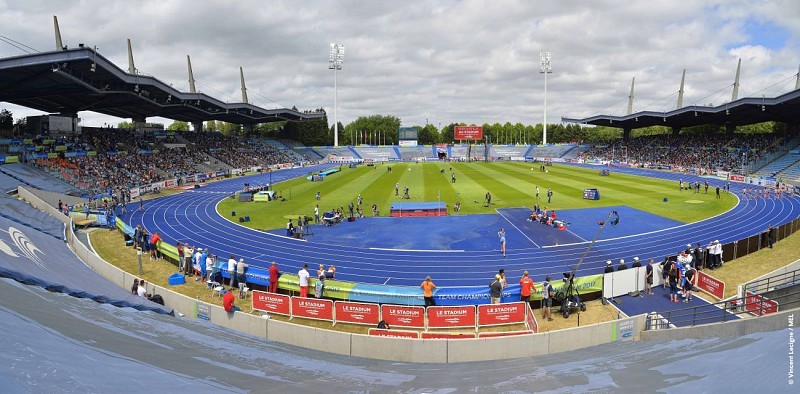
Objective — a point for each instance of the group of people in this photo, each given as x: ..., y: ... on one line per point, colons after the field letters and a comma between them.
x: 705, y: 152
x: 496, y: 288
x: 124, y: 158
x: 304, y: 279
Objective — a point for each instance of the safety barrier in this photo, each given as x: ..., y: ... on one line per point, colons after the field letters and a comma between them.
x: 402, y: 316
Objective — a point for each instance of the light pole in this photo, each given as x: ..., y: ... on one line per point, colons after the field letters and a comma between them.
x: 545, y: 68
x: 335, y: 63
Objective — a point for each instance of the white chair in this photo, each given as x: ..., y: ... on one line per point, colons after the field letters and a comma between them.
x: 216, y: 288
x: 243, y: 289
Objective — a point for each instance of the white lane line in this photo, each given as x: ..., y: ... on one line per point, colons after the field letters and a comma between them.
x: 520, y: 231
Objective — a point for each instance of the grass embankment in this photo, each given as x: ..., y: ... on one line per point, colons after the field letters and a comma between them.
x: 511, y: 185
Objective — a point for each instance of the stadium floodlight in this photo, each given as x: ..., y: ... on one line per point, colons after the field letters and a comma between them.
x: 335, y: 63
x: 545, y: 68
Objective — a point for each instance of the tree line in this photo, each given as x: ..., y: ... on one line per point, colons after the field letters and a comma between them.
x: 383, y: 129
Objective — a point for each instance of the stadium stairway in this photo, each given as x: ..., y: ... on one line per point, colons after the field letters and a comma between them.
x: 355, y: 153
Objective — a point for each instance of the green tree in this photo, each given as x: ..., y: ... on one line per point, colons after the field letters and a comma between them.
x: 428, y: 135
x: 447, y: 133
x: 178, y: 126
x: 6, y: 120
x: 386, y: 126
x: 125, y: 125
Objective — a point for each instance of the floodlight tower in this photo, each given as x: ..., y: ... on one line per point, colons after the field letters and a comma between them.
x: 335, y: 64
x: 545, y: 68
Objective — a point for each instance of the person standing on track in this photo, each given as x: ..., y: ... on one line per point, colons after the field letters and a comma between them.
x: 502, y: 235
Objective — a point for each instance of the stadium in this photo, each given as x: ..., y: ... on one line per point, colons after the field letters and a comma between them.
x: 200, y: 220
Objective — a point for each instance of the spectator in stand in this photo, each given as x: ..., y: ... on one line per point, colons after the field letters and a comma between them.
x: 141, y: 290
x: 427, y: 287
x: 274, y: 274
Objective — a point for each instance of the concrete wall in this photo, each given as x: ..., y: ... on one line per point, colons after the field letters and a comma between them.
x: 27, y: 196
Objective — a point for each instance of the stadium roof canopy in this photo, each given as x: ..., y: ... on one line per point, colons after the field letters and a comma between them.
x: 79, y: 79
x: 749, y: 110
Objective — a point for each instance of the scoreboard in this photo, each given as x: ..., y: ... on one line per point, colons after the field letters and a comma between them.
x: 408, y: 133
x: 591, y: 194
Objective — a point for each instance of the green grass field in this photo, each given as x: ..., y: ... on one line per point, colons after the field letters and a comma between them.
x: 512, y: 184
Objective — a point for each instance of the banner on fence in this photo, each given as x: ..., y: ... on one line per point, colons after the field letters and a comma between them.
x: 451, y: 316
x: 271, y: 302
x: 403, y: 316
x: 498, y: 314
x: 312, y: 308
x: 759, y: 305
x: 357, y: 313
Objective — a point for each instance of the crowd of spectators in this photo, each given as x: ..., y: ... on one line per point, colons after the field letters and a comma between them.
x: 127, y: 158
x: 709, y: 152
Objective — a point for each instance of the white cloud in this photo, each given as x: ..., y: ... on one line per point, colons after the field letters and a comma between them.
x: 444, y: 61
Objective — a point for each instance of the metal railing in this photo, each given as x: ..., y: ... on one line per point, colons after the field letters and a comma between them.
x: 718, y: 312
x: 778, y: 281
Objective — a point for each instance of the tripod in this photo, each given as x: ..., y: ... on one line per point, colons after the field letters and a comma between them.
x: 570, y: 297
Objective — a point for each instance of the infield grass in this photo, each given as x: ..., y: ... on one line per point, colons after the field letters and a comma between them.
x: 511, y: 184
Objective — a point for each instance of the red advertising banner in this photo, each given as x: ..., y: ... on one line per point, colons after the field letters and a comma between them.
x: 403, y: 316
x: 451, y: 316
x: 759, y: 305
x: 271, y: 302
x: 447, y: 335
x: 357, y: 313
x: 502, y: 334
x: 312, y: 308
x: 468, y: 132
x: 379, y: 332
x: 711, y: 285
x: 736, y: 178
x: 497, y: 314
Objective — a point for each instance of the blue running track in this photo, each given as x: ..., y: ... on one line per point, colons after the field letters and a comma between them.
x: 191, y: 217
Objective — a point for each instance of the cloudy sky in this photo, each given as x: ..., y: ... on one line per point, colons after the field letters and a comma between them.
x: 434, y: 61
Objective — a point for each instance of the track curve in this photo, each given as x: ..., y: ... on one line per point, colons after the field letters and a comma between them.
x: 191, y: 217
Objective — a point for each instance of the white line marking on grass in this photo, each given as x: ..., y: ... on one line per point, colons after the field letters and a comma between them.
x: 520, y: 231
